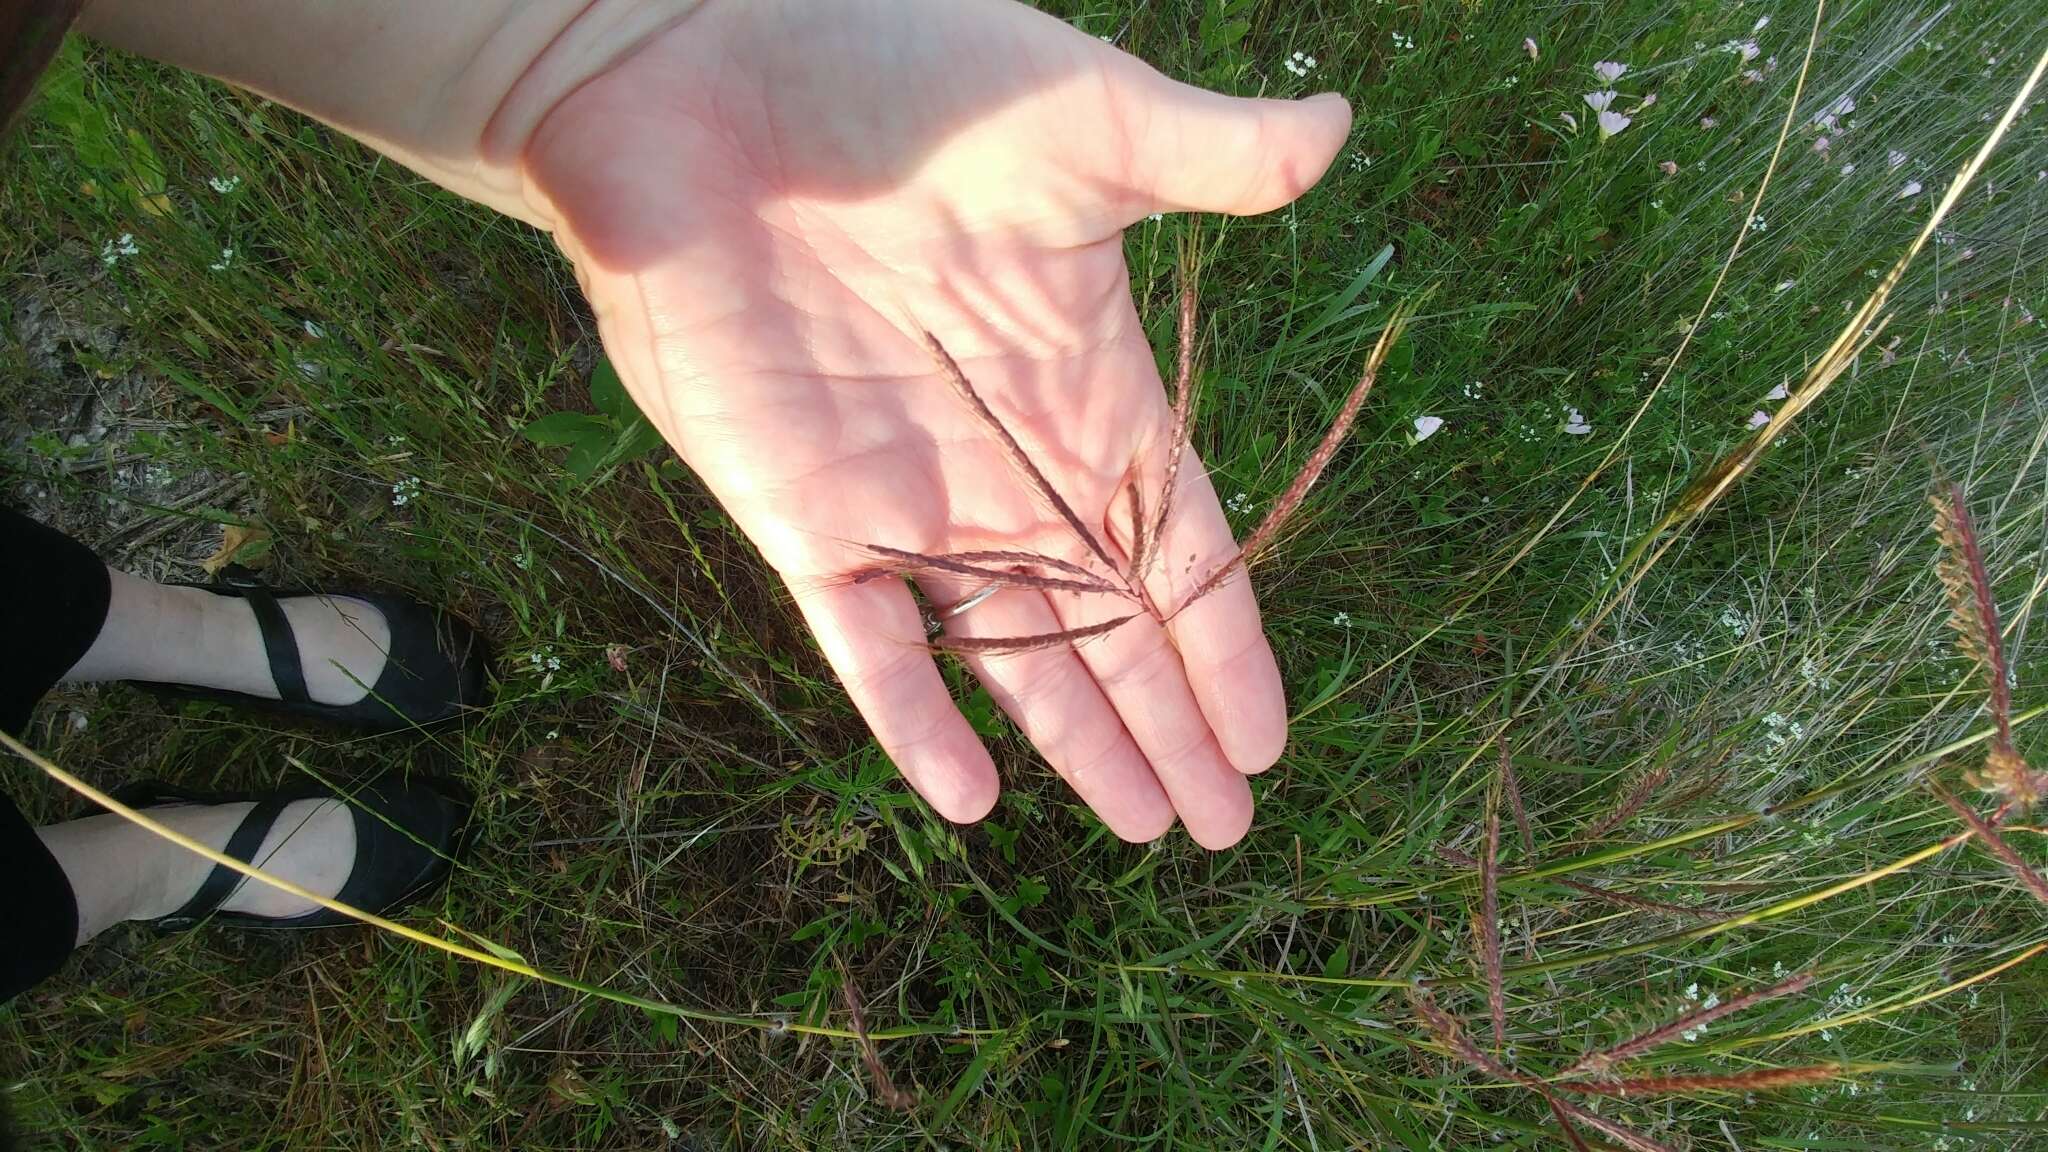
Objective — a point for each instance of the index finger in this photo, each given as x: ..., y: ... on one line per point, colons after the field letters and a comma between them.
x: 873, y: 635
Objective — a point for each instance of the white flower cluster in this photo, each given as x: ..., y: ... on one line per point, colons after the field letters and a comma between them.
x: 1778, y: 731
x: 112, y: 251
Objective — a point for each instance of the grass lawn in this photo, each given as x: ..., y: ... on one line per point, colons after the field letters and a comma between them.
x: 1727, y: 719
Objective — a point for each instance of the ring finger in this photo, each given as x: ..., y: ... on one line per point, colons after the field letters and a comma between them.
x: 1052, y: 696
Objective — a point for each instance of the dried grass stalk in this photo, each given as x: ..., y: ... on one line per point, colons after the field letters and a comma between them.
x: 1178, y: 435
x: 1996, y: 845
x: 1138, y: 532
x: 1513, y: 787
x: 1605, y: 1059
x: 1564, y: 1121
x: 1631, y: 900
x: 1283, y: 509
x: 1445, y: 1028
x: 1012, y: 645
x: 1489, y: 921
x: 988, y: 557
x: 1447, y: 1031
x: 1638, y: 795
x: 1973, y: 613
x: 900, y: 562
x: 1761, y: 1080
x: 1019, y: 459
x: 1621, y: 1134
x: 893, y: 1098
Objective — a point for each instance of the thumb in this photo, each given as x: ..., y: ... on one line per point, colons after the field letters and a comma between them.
x: 1198, y: 151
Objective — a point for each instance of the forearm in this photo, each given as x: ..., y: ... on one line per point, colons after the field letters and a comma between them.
x: 450, y: 88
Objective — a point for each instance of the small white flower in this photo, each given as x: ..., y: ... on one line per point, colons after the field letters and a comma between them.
x: 1612, y: 122
x: 112, y: 251
x: 1778, y: 393
x: 1752, y: 76
x: 1529, y: 46
x: 1609, y: 71
x: 1692, y: 991
x: 1712, y: 1001
x: 314, y: 330
x: 78, y: 721
x: 1758, y: 225
x: 1911, y: 190
x: 1598, y: 101
x: 1785, y: 285
x: 1403, y: 41
x: 1848, y: 169
x: 405, y: 491
x: 1567, y: 117
x: 1341, y: 619
x: 1893, y: 158
x: 1708, y: 122
x: 1748, y: 50
x: 1820, y: 145
x: 1668, y: 167
x: 1575, y: 423
x: 1241, y: 502
x: 1473, y: 389
x: 1762, y: 22
x: 1759, y: 418
x: 1427, y: 426
x: 223, y: 184
x: 227, y: 258
x: 1300, y: 64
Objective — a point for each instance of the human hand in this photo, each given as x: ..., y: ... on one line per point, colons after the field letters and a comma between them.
x: 767, y: 201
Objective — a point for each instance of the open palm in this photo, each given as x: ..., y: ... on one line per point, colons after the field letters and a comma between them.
x: 768, y: 202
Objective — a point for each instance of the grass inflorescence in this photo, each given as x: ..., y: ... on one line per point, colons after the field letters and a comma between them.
x: 1704, y: 665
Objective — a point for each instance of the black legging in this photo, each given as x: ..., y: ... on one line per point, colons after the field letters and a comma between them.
x: 53, y: 600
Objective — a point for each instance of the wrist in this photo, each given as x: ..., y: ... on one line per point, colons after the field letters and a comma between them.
x: 596, y: 37
x: 451, y: 90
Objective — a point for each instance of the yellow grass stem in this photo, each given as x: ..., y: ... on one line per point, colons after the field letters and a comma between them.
x: 503, y: 963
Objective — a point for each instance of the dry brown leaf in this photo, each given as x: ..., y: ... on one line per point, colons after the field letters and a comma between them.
x: 247, y: 545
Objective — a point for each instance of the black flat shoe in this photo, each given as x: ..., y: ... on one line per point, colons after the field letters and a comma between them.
x: 436, y: 666
x: 409, y: 833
